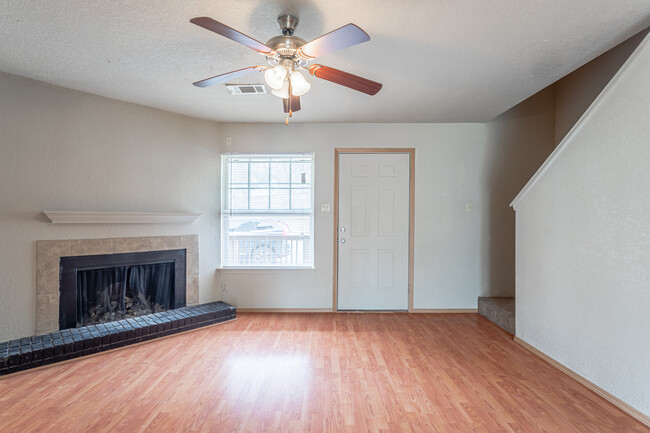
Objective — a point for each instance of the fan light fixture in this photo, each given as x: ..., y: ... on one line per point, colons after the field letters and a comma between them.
x: 282, y: 92
x: 275, y: 77
x: 299, y: 86
x: 278, y: 79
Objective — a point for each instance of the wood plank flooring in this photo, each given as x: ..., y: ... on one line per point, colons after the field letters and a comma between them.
x: 313, y: 372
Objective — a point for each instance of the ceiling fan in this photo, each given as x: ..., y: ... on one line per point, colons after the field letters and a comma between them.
x: 287, y: 54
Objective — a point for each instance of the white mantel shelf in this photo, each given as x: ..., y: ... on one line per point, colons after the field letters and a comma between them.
x: 73, y: 217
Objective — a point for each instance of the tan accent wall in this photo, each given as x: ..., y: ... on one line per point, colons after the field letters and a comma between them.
x: 71, y: 151
x: 522, y: 138
x: 575, y: 92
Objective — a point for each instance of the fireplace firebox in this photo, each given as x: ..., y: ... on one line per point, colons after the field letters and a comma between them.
x: 109, y: 287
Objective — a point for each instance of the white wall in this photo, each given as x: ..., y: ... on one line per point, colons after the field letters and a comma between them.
x: 452, y: 164
x: 583, y: 244
x: 66, y: 150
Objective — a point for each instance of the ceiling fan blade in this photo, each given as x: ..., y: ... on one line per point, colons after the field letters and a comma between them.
x: 338, y: 39
x: 294, y: 104
x: 345, y: 79
x: 230, y: 33
x: 227, y: 76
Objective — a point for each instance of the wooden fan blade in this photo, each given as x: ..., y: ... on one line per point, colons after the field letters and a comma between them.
x: 345, y: 79
x: 230, y: 33
x: 227, y: 76
x: 338, y: 39
x: 294, y: 104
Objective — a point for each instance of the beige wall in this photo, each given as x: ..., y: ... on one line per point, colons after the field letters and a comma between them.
x: 455, y: 165
x: 66, y: 150
x: 583, y: 243
x: 523, y: 137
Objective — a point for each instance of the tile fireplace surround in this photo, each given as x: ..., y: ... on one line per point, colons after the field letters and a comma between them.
x: 49, y: 253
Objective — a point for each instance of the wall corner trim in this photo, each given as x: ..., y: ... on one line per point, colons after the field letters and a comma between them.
x: 585, y: 120
x: 587, y: 383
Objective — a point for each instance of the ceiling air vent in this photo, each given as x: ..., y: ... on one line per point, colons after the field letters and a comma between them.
x: 246, y: 89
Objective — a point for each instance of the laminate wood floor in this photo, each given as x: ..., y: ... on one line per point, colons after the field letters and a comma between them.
x: 313, y: 372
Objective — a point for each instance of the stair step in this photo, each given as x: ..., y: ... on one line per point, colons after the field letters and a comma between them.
x: 500, y: 311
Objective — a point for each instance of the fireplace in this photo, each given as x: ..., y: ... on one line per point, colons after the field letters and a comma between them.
x: 48, y: 269
x: 120, y: 262
x: 104, y: 288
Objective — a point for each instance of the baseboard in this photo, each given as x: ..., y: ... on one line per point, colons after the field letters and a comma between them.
x: 592, y: 386
x: 446, y: 310
x: 329, y: 310
x: 284, y: 310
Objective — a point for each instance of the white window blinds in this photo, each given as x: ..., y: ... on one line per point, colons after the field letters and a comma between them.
x: 267, y: 210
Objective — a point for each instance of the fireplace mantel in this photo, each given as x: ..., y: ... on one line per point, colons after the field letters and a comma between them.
x: 82, y: 217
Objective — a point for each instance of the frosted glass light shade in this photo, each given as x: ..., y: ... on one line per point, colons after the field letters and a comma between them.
x: 275, y: 76
x: 282, y: 92
x: 299, y: 86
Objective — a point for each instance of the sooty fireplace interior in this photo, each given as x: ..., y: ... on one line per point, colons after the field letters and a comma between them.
x: 109, y: 287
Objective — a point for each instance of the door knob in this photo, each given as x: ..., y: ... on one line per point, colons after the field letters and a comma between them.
x: 342, y: 240
x: 342, y: 229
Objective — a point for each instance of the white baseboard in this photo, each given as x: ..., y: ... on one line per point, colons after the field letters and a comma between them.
x: 284, y: 310
x: 445, y: 310
x: 329, y: 310
x: 592, y: 386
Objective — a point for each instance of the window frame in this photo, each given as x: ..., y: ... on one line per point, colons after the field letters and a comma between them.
x: 227, y: 212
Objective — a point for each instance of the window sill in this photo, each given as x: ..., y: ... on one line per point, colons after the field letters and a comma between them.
x: 265, y: 268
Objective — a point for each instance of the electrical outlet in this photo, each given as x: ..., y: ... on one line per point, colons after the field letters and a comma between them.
x: 228, y: 141
x: 224, y: 287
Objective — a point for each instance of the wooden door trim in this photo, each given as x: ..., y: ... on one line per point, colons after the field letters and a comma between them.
x: 411, y: 152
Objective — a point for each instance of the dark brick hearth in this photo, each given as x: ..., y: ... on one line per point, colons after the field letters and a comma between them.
x: 25, y: 353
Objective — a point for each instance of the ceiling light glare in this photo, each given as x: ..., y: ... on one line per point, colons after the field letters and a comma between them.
x: 282, y: 92
x: 299, y: 86
x: 275, y: 76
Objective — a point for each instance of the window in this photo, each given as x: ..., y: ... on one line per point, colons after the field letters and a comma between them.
x: 267, y: 211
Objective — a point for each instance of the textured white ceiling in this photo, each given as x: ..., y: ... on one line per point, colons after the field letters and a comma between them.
x: 439, y: 60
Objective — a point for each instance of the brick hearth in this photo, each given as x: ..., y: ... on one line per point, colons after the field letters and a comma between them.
x: 31, y: 352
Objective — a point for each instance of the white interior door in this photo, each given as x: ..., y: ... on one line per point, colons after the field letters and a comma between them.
x: 373, y: 232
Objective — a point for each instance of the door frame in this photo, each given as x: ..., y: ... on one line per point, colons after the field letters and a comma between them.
x: 337, y: 152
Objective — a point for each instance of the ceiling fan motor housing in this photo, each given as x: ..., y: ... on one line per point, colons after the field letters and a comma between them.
x: 288, y: 24
x: 286, y: 46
